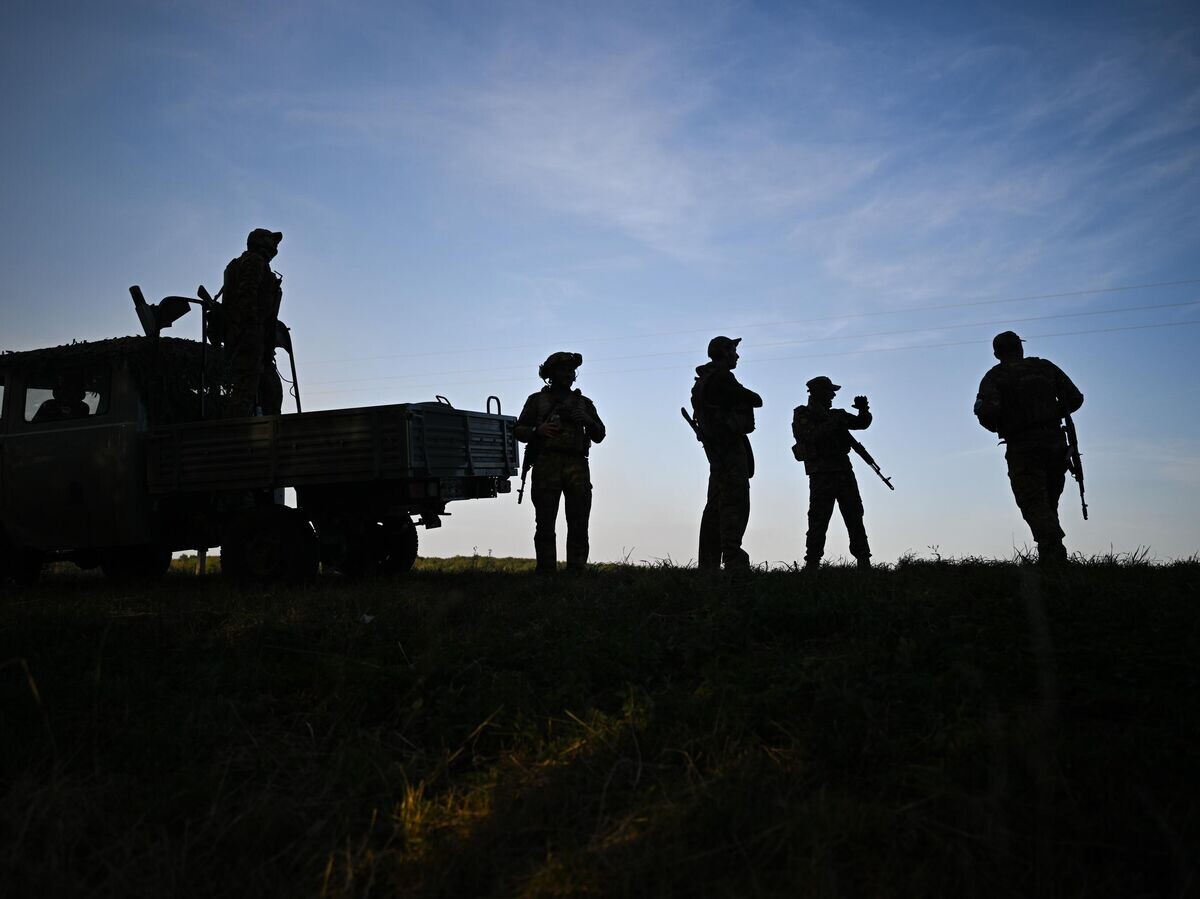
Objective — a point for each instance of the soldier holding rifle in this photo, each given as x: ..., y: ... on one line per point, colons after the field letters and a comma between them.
x: 724, y: 416
x: 823, y: 444
x: 1025, y: 401
x: 558, y: 425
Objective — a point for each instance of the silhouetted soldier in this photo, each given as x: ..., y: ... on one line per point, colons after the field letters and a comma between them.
x: 252, y: 294
x: 1024, y: 401
x: 823, y: 444
x: 724, y: 415
x: 67, y: 401
x: 559, y: 425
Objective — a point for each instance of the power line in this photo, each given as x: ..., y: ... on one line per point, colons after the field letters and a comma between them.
x: 985, y: 301
x: 891, y: 333
x: 752, y: 362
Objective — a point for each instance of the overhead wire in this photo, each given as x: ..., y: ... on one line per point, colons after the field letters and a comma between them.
x: 983, y: 301
x: 858, y: 352
x: 870, y: 334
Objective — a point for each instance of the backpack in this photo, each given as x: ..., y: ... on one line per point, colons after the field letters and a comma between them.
x: 1028, y: 395
x: 800, y: 448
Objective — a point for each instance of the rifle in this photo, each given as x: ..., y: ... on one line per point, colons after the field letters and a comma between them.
x: 534, y: 450
x: 526, y: 464
x: 691, y: 423
x: 1075, y: 459
x: 866, y: 457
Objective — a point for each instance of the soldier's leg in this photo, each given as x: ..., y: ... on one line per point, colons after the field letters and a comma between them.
x: 734, y: 490
x: 1055, y: 462
x: 1030, y: 487
x: 822, y: 493
x: 245, y: 372
x: 850, y: 502
x: 577, y: 497
x: 545, y: 492
x: 709, y: 555
x: 270, y: 390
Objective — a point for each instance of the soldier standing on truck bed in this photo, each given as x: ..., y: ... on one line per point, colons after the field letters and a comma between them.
x: 1024, y: 401
x: 823, y: 444
x: 252, y: 294
x: 723, y: 412
x: 559, y: 424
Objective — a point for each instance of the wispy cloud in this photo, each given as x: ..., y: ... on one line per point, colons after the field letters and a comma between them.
x: 899, y: 163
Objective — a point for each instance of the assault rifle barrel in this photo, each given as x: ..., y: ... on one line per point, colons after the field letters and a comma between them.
x: 866, y: 457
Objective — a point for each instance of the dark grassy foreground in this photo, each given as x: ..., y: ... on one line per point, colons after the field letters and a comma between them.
x: 936, y: 729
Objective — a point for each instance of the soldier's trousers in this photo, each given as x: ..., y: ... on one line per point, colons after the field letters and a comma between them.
x: 825, y: 488
x: 727, y: 511
x: 254, y: 381
x: 568, y: 476
x: 1037, y: 473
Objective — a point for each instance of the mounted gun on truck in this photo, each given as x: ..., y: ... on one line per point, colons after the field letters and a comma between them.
x: 110, y: 456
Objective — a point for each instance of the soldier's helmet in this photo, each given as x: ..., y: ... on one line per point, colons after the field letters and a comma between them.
x: 822, y: 384
x: 262, y: 238
x: 719, y: 346
x: 1006, y: 342
x: 554, y: 360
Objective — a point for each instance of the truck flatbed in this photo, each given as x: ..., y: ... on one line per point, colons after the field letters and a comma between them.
x: 400, y: 442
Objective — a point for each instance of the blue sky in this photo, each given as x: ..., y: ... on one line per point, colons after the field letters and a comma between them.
x: 465, y: 188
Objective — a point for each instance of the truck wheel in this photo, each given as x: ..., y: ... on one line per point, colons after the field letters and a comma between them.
x: 400, y: 545
x: 270, y: 543
x: 136, y: 563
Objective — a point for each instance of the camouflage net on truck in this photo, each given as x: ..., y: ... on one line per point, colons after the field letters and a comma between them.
x: 166, y: 371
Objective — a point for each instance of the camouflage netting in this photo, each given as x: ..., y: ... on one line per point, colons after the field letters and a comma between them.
x: 166, y: 371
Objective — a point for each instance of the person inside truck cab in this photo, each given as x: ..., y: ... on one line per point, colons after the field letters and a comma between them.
x: 67, y: 402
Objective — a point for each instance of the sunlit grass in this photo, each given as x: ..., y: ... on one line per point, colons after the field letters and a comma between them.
x: 939, y: 727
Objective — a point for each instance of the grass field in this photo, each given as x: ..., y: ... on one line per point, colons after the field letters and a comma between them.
x: 934, y: 729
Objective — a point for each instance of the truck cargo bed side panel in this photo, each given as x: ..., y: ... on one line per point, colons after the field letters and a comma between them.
x: 337, y: 446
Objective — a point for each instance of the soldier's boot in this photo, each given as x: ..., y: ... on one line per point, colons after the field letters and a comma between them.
x: 577, y: 547
x: 736, y: 558
x: 546, y: 552
x: 863, y: 561
x: 812, y: 564
x: 1052, y: 553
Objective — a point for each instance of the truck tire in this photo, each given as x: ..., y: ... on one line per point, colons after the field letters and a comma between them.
x: 136, y: 563
x: 270, y: 543
x: 400, y: 546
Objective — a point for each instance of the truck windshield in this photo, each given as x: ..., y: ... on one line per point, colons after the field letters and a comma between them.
x: 67, y: 394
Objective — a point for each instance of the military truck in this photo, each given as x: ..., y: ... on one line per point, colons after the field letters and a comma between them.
x: 111, y: 455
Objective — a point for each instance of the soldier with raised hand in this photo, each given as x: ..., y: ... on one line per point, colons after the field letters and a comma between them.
x: 823, y: 444
x: 559, y: 424
x: 724, y: 415
x: 252, y: 294
x: 1024, y: 400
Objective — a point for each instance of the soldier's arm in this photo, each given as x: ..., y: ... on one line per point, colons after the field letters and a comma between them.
x: 526, y: 427
x: 592, y: 424
x: 1069, y: 397
x: 725, y: 390
x: 858, y: 422
x: 745, y: 396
